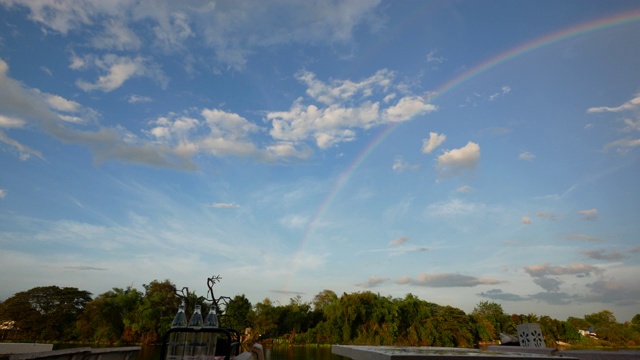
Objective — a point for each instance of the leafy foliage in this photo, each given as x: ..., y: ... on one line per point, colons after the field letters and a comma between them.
x: 131, y: 316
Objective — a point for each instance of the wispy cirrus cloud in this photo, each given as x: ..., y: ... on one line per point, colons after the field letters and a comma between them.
x: 222, y: 205
x: 398, y: 241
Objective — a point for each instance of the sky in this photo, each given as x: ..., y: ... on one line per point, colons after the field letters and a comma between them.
x: 460, y: 151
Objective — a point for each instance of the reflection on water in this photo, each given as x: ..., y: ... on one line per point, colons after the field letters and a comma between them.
x: 271, y: 352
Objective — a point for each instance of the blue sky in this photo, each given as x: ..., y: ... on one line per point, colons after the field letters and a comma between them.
x: 461, y: 151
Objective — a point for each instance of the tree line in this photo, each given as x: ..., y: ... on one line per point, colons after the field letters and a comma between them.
x: 127, y: 315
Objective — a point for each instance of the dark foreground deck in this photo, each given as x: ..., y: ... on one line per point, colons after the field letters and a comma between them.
x: 493, y: 352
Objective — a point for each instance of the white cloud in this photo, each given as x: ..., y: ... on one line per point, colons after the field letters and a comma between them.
x: 503, y: 91
x: 590, y: 214
x: 454, y: 207
x: 220, y: 205
x: 3, y: 193
x: 631, y: 125
x: 344, y: 107
x: 295, y: 221
x: 434, y: 140
x: 399, y: 165
x: 116, y: 35
x: 432, y: 58
x: 134, y: 99
x: 118, y: 70
x: 623, y: 144
x: 407, y: 108
x: 170, y: 26
x: 24, y: 151
x: 629, y: 105
x: 526, y: 156
x: 465, y: 189
x: 61, y: 104
x: 457, y: 161
x: 399, y: 241
x: 10, y: 122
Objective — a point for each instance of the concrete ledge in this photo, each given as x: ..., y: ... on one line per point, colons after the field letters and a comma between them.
x: 23, y: 348
x: 578, y: 354
x: 601, y: 354
x: 84, y: 353
x: 523, y: 350
x: 66, y: 354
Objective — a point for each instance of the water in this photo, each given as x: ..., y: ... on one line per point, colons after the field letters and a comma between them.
x: 271, y: 352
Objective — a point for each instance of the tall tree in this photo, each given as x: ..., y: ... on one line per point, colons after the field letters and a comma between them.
x: 238, y: 313
x: 46, y: 312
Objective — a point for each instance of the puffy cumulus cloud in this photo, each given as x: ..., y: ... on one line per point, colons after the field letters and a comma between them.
x: 399, y: 241
x: 406, y: 108
x: 448, y: 280
x: 525, y: 220
x: 434, y: 140
x: 118, y: 69
x: 374, y: 281
x: 340, y: 91
x: 342, y: 107
x: 632, y: 104
x: 602, y: 255
x: 526, y: 156
x: 169, y: 26
x: 457, y: 161
x: 579, y: 270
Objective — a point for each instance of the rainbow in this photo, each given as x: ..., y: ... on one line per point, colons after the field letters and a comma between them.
x: 538, y: 43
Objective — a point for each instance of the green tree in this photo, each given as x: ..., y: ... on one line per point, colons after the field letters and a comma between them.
x: 112, y: 317
x: 238, y: 313
x: 45, y: 313
x: 156, y: 310
x: 491, y: 313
